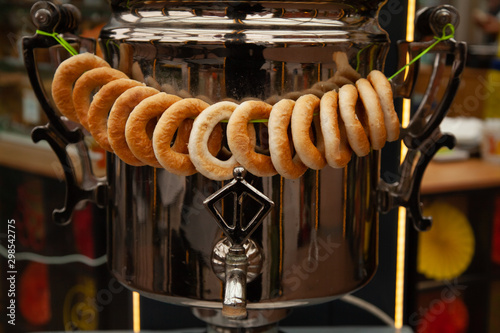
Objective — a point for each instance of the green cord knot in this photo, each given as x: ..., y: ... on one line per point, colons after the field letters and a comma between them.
x: 443, y: 37
x: 59, y: 39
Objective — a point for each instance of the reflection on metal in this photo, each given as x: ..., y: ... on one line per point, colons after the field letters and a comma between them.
x: 321, y: 242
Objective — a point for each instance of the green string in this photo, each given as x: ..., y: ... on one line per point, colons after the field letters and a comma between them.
x: 358, y: 56
x: 60, y: 40
x: 443, y: 37
x: 438, y: 39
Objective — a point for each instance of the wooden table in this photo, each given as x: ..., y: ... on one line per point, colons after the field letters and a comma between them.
x: 465, y: 175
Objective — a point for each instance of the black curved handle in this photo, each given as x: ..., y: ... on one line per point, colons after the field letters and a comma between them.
x: 60, y: 132
x: 423, y: 136
x: 406, y: 192
x: 430, y: 114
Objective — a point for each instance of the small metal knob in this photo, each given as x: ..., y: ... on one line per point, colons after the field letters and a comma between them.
x: 239, y: 173
x: 49, y: 17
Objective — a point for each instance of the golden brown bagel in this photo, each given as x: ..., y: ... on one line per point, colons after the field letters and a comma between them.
x: 101, y: 106
x: 302, y: 120
x: 288, y: 166
x: 373, y: 114
x: 65, y: 77
x: 356, y: 136
x: 240, y: 142
x: 384, y: 91
x: 117, y: 121
x: 86, y: 84
x: 337, y: 150
x: 169, y: 122
x: 147, y: 111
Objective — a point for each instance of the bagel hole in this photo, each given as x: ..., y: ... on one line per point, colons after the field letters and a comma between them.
x: 94, y: 92
x: 290, y: 139
x: 262, y: 143
x: 180, y: 138
x: 150, y: 127
x: 315, y: 134
x: 224, y: 153
x: 362, y: 117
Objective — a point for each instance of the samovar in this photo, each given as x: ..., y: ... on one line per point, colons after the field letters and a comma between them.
x: 241, y: 253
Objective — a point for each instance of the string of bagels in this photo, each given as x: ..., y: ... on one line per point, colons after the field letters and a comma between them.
x: 145, y: 126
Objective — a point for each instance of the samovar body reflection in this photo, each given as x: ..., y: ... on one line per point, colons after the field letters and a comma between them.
x: 320, y: 240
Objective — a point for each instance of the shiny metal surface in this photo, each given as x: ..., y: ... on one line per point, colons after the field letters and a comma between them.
x: 216, y: 50
x: 320, y: 240
x: 252, y: 252
x: 234, y: 305
x: 319, y: 243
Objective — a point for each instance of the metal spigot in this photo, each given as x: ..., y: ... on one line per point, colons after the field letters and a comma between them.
x: 232, y: 255
x: 235, y: 295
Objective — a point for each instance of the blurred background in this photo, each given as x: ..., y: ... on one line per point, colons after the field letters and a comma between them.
x: 452, y: 275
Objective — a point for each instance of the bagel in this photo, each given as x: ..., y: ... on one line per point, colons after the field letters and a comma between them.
x: 138, y: 140
x: 86, y: 84
x: 239, y: 140
x: 182, y: 136
x: 117, y: 121
x: 373, y: 114
x: 325, y: 86
x: 173, y: 161
x: 151, y: 82
x: 339, y: 80
x: 313, y: 91
x: 288, y: 166
x: 344, y: 68
x: 206, y: 163
x: 136, y: 72
x: 126, y: 56
x: 356, y: 136
x: 65, y: 77
x: 293, y: 95
x: 337, y: 150
x: 168, y: 88
x: 100, y: 107
x: 302, y: 120
x: 384, y: 91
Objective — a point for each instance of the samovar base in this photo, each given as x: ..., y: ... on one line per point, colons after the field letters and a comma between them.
x: 258, y: 321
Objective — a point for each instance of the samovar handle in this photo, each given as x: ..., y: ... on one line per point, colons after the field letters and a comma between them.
x: 59, y: 132
x: 422, y: 136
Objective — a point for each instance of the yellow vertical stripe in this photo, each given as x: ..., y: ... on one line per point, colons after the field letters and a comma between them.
x: 136, y: 311
x: 401, y: 238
